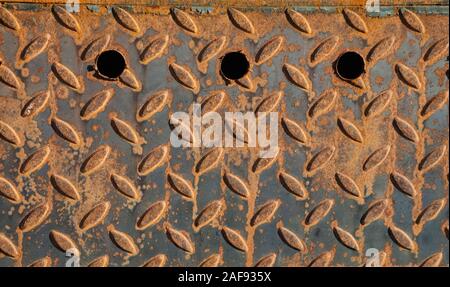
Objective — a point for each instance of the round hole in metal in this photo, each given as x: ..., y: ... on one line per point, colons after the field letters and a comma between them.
x: 110, y: 64
x: 350, y: 65
x: 234, y: 65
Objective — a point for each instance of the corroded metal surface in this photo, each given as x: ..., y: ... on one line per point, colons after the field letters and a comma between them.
x: 86, y: 162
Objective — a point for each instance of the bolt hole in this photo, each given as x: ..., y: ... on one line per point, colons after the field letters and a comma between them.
x: 234, y: 65
x: 110, y: 64
x: 350, y: 65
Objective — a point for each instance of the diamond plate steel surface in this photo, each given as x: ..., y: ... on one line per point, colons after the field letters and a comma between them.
x: 86, y: 162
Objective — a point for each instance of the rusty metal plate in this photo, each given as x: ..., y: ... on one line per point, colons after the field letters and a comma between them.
x: 361, y: 168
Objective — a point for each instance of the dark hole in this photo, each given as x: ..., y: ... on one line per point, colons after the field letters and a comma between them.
x: 234, y: 65
x: 110, y: 64
x: 350, y: 65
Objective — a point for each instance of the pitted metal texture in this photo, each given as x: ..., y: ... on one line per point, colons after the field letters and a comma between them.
x: 87, y: 164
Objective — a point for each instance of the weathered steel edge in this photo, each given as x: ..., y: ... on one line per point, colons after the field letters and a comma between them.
x: 440, y: 8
